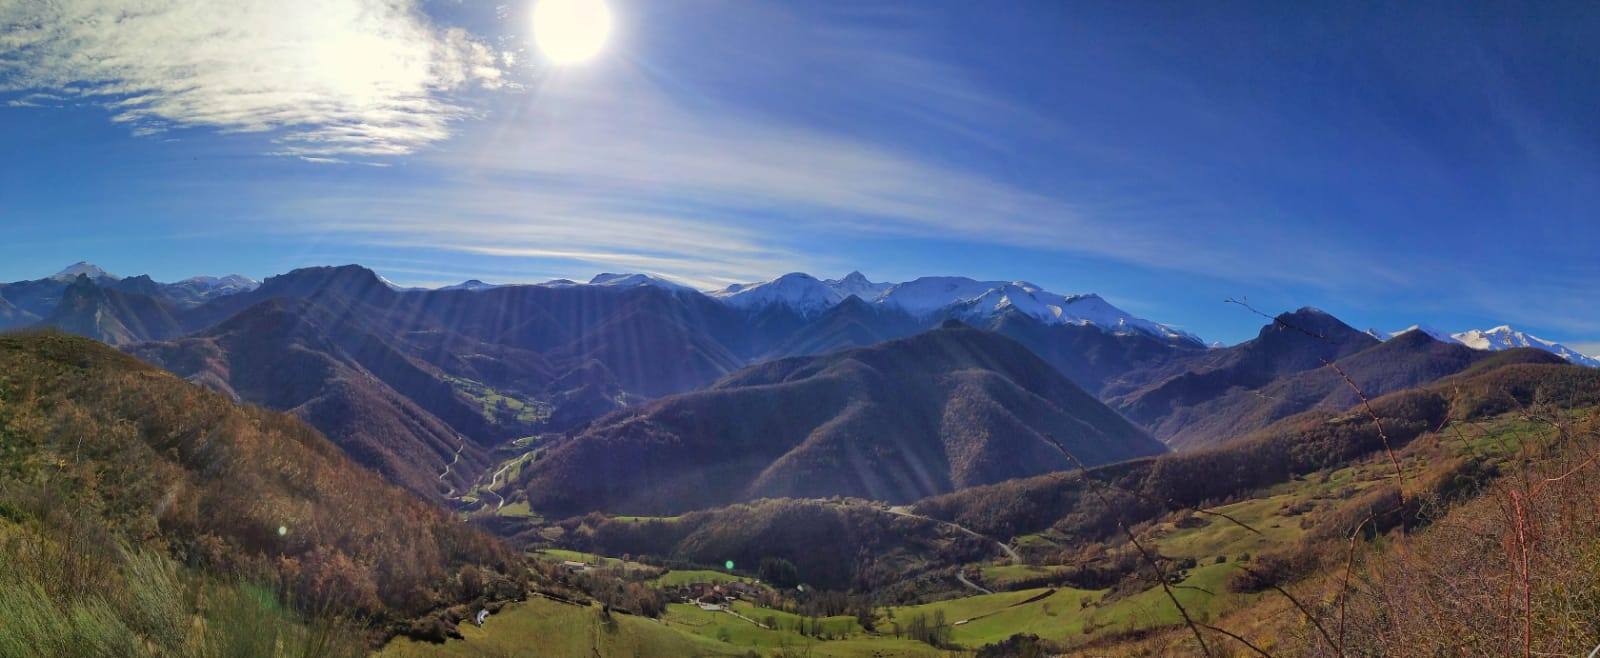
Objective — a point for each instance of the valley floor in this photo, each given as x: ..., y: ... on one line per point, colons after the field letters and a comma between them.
x: 1206, y: 551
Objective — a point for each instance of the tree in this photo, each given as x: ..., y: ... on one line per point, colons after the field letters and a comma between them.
x: 778, y: 572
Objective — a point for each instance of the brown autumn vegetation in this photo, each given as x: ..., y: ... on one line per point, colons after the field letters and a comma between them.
x: 1514, y: 571
x: 1484, y: 544
x: 1144, y: 489
x: 111, y: 451
x: 384, y: 408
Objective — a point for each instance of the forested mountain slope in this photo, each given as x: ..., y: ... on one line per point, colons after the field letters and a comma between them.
x: 946, y: 409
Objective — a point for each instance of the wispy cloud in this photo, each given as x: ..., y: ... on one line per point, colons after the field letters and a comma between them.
x: 556, y: 230
x: 632, y: 164
x: 336, y: 77
x: 617, y: 164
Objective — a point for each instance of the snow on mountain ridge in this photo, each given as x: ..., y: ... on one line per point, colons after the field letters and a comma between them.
x: 856, y: 283
x: 194, y: 289
x: 84, y: 268
x: 924, y: 295
x: 233, y: 282
x: 205, y: 288
x: 960, y: 296
x: 1503, y: 337
x: 799, y: 291
x: 395, y: 286
x: 471, y: 285
x: 1430, y: 331
x: 615, y: 280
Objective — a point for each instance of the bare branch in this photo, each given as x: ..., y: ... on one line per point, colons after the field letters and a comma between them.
x: 1297, y: 604
x: 1236, y: 638
x: 1155, y: 566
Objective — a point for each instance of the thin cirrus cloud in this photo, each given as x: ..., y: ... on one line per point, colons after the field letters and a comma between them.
x: 554, y: 229
x: 336, y: 77
x: 619, y: 170
x: 619, y: 164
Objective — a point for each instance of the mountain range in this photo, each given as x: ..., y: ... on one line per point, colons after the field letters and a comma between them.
x: 433, y: 387
x: 31, y: 301
x: 979, y: 301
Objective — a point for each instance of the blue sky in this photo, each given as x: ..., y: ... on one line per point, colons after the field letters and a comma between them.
x: 1393, y: 165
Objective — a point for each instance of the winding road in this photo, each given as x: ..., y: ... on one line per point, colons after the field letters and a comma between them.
x: 459, y: 447
x: 496, y: 478
x: 963, y: 578
x: 903, y: 510
x: 492, y: 479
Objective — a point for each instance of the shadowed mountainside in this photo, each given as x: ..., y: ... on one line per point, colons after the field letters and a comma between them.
x: 1292, y: 343
x: 384, y: 408
x: 1410, y: 359
x: 946, y: 409
x: 112, y: 316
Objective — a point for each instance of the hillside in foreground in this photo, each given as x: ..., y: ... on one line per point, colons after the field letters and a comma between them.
x: 103, y: 457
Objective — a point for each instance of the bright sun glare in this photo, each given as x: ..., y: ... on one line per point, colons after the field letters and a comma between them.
x: 571, y: 31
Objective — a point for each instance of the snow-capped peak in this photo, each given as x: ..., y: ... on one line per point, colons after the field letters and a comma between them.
x: 856, y: 283
x: 614, y: 280
x: 472, y: 285
x: 1430, y: 331
x: 85, y: 269
x: 1051, y: 308
x: 799, y: 291
x: 1504, y: 337
x: 232, y: 283
x: 955, y: 296
x: 928, y: 294
x: 395, y: 286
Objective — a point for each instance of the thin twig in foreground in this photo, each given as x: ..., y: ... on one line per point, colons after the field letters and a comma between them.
x: 1161, y: 574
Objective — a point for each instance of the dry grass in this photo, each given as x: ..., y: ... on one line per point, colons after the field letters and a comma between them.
x: 1514, y: 572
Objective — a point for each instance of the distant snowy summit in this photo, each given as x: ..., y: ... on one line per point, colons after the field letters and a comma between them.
x: 192, y: 290
x: 1503, y: 337
x: 82, y: 268
x: 1430, y: 331
x: 958, y: 297
x: 947, y: 296
x: 611, y: 280
x: 218, y: 286
x: 471, y: 284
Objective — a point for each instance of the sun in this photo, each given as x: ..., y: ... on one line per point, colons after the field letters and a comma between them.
x: 571, y: 31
